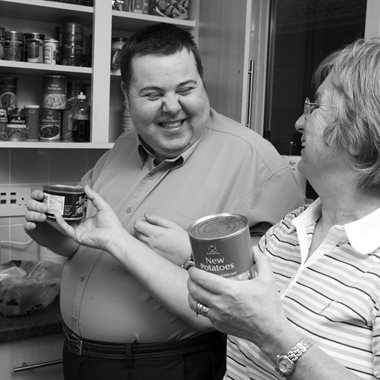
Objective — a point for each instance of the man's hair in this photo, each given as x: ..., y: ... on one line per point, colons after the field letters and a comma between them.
x: 159, y: 39
x: 354, y: 72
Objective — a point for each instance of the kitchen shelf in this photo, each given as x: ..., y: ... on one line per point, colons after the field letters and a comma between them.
x: 100, y: 22
x: 46, y: 11
x: 134, y: 21
x: 27, y: 68
x: 54, y: 145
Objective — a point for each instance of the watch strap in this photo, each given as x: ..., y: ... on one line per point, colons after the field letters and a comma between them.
x: 294, y: 354
x: 300, y: 348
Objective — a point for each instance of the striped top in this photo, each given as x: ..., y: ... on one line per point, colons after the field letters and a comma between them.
x: 333, y: 297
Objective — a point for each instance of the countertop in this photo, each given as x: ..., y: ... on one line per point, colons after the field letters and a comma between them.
x: 42, y: 322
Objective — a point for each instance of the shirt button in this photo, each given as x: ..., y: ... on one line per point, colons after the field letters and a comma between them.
x: 82, y: 278
x: 129, y: 210
x: 150, y: 176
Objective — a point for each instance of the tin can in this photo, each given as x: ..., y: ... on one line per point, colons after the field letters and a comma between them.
x: 16, y: 128
x: 221, y: 245
x: 8, y: 92
x: 66, y: 200
x: 13, y: 46
x: 32, y: 118
x: 50, y: 51
x: 2, y: 42
x: 72, y: 43
x: 3, y: 124
x: 50, y: 124
x: 55, y: 92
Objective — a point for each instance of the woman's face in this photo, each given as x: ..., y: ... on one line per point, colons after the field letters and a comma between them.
x: 318, y: 157
x: 168, y: 102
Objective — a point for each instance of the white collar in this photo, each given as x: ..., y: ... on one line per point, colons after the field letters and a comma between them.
x: 363, y: 234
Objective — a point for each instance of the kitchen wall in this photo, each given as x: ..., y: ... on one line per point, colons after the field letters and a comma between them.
x: 36, y: 167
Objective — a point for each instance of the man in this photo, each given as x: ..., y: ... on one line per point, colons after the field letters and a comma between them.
x: 182, y: 161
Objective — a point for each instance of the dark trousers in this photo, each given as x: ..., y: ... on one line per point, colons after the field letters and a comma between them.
x: 207, y: 364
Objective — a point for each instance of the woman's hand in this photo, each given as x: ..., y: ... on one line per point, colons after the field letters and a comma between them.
x: 98, y: 231
x: 250, y: 309
x: 165, y: 237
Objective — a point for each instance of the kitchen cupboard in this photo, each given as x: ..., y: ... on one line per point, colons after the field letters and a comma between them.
x: 32, y: 359
x: 100, y: 22
x: 231, y: 37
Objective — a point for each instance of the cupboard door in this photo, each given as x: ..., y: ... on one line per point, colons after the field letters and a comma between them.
x: 223, y: 35
x: 16, y: 356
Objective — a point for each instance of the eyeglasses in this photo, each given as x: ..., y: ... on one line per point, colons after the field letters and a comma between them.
x: 309, y: 107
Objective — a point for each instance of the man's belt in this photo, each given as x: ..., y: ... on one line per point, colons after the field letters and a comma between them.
x: 141, y: 351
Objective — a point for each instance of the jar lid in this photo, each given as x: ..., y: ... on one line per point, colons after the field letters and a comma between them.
x: 13, y: 34
x: 47, y: 39
x: 34, y: 36
x: 32, y: 106
x: 119, y: 39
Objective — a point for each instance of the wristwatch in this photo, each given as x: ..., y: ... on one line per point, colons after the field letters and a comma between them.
x: 286, y: 363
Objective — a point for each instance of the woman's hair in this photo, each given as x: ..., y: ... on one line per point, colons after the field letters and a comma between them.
x: 159, y: 39
x: 354, y: 72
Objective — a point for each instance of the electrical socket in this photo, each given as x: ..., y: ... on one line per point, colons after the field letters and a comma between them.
x: 13, y: 200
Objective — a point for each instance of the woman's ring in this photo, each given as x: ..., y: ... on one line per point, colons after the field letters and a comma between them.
x: 201, y: 309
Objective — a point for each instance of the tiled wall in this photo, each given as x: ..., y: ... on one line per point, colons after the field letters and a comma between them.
x: 36, y: 167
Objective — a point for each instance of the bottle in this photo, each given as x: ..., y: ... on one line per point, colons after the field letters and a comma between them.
x: 81, y: 119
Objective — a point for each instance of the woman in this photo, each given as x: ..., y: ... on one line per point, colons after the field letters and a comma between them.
x: 318, y: 270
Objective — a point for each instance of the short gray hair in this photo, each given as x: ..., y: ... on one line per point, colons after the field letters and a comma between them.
x: 354, y: 72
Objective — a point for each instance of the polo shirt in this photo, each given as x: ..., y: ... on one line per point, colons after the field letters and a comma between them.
x: 230, y: 169
x: 332, y: 297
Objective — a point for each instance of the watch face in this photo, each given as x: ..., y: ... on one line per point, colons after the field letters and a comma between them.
x: 284, y: 365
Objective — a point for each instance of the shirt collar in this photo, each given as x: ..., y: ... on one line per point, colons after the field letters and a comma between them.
x: 309, y: 216
x: 363, y: 234
x: 146, y: 152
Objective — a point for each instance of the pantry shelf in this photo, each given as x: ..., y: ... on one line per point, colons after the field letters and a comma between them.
x: 135, y: 21
x: 26, y: 68
x: 54, y: 145
x: 41, y: 10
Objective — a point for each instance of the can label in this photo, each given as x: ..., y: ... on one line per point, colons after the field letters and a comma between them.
x: 68, y: 201
x: 13, y: 50
x: 55, y: 90
x: 8, y: 92
x: 33, y: 51
x: 3, y: 124
x: 50, y: 51
x: 50, y: 125
x: 221, y: 245
x: 32, y: 117
x: 16, y: 128
x: 72, y: 43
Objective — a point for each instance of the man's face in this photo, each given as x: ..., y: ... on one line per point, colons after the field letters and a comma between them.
x: 168, y: 102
